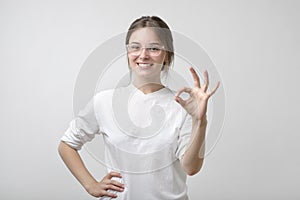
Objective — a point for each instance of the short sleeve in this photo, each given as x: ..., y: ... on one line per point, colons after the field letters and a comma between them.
x: 82, y: 128
x: 184, y: 136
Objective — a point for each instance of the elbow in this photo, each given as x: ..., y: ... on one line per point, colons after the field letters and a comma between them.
x: 192, y: 173
x: 192, y: 170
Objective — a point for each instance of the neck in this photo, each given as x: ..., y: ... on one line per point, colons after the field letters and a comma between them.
x: 148, y: 86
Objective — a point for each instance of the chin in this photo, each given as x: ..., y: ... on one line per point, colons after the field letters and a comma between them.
x: 146, y: 69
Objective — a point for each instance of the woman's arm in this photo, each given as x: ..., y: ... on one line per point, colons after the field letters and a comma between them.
x: 196, y: 106
x: 193, y: 157
x: 75, y: 164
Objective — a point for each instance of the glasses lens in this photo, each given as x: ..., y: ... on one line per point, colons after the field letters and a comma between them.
x: 152, y: 50
x: 133, y: 48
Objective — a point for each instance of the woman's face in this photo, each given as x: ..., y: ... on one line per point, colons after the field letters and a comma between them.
x: 145, y: 54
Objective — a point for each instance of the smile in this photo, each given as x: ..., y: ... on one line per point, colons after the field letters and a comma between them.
x: 144, y: 65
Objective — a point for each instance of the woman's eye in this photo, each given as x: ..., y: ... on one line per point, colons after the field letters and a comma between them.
x: 135, y: 47
x: 154, y: 49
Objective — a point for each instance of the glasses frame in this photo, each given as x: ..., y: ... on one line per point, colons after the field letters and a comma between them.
x: 147, y: 48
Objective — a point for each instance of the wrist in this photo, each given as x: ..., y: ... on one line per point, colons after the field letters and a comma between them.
x: 88, y: 185
x: 200, y: 122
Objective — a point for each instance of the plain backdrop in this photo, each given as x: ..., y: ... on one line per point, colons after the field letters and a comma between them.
x: 254, y: 44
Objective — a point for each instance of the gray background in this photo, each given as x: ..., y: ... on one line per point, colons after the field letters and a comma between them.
x: 254, y: 44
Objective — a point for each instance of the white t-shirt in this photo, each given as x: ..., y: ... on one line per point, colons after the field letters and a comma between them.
x: 144, y: 135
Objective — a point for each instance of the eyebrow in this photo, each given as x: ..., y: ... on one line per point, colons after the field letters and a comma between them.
x: 148, y: 43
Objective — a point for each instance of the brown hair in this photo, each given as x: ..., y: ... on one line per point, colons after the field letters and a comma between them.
x: 162, y: 30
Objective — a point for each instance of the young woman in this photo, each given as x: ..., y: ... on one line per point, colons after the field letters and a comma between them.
x: 162, y: 148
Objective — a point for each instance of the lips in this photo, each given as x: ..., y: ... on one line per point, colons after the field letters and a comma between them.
x: 144, y: 65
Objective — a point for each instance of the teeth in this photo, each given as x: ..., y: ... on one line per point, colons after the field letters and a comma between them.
x: 144, y: 64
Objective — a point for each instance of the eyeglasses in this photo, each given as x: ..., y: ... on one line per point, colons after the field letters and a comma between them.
x: 135, y: 49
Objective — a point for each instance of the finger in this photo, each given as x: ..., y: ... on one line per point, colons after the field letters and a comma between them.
x: 184, y: 89
x: 206, y: 80
x: 113, y: 174
x: 113, y: 182
x: 195, y: 77
x: 115, y: 188
x: 215, y: 89
x: 116, y: 183
x: 180, y: 101
x: 108, y: 194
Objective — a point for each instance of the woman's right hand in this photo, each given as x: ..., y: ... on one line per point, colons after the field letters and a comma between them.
x: 100, y: 189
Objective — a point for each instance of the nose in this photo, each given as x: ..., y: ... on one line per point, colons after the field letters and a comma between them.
x: 144, y: 53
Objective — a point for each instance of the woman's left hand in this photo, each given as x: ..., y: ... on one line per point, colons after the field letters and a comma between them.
x: 196, y: 104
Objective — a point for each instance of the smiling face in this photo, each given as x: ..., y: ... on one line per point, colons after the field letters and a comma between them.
x: 145, y: 54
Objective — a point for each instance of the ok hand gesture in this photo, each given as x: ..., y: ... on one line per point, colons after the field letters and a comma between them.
x: 196, y: 104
